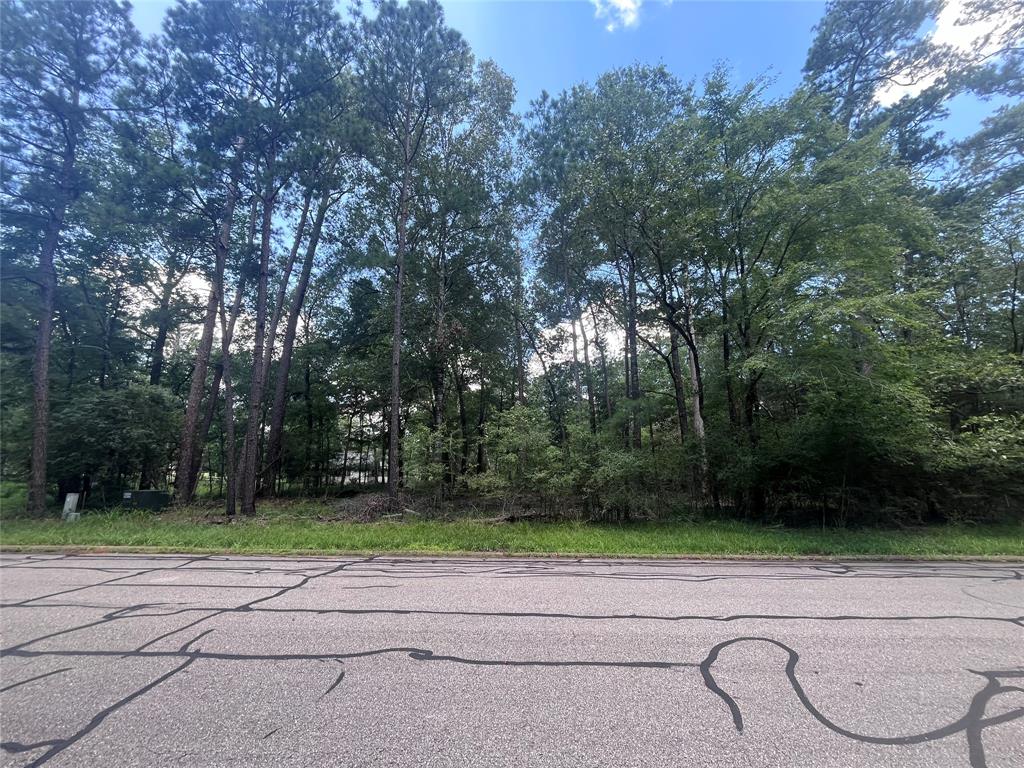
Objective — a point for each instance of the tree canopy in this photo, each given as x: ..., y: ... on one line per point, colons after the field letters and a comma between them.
x: 283, y: 250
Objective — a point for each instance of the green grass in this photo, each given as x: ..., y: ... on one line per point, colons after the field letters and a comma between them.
x: 276, y: 535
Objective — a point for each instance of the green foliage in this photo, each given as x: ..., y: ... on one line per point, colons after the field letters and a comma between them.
x: 646, y: 299
x: 421, y: 447
x: 112, y: 435
x: 13, y: 497
x: 522, y: 458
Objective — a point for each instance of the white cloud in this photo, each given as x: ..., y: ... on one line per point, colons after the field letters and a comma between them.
x: 966, y: 39
x: 619, y: 13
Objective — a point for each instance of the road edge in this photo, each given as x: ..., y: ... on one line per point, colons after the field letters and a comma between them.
x: 498, y: 554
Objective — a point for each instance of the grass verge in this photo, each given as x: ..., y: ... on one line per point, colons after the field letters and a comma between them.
x: 280, y: 535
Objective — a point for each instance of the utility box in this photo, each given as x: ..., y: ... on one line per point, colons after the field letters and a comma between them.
x: 70, y: 513
x: 154, y: 501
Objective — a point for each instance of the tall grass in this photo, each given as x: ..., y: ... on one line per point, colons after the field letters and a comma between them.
x: 302, y: 535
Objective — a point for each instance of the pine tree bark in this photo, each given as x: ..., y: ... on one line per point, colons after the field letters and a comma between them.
x: 227, y: 334
x: 517, y: 337
x: 275, y: 442
x: 730, y: 391
x: 460, y: 390
x: 156, y: 365
x: 396, y: 336
x: 481, y: 448
x: 204, y: 428
x: 588, y: 372
x: 265, y: 477
x: 520, y: 395
x: 632, y: 353
x: 344, y: 453
x: 577, y: 382
x: 247, y: 475
x: 47, y: 279
x: 184, y: 478
x: 1016, y: 336
x: 307, y: 397
x: 600, y: 344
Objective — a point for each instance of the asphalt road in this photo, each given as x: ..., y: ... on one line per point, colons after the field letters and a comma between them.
x: 213, y: 661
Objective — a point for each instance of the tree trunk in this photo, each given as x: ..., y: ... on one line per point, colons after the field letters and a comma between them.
x: 460, y: 389
x: 184, y: 479
x: 307, y: 396
x: 72, y: 355
x: 438, y: 352
x: 363, y: 449
x: 396, y: 336
x: 588, y: 373
x: 552, y: 391
x: 727, y: 370
x: 47, y: 294
x: 437, y: 346
x: 600, y: 344
x: 520, y: 395
x: 481, y: 448
x: 204, y: 428
x: 627, y: 389
x: 633, y: 356
x: 520, y: 353
x: 41, y: 363
x: 344, y: 455
x: 677, y: 382
x: 702, y: 476
x: 247, y: 476
x: 109, y: 327
x: 277, y: 413
x: 231, y: 484
x: 227, y: 334
x: 698, y: 402
x: 156, y: 366
x: 1016, y: 337
x: 517, y: 338
x: 266, y: 478
x: 384, y: 450
x: 577, y: 382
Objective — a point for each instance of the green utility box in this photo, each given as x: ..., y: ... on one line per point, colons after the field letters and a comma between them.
x: 154, y: 501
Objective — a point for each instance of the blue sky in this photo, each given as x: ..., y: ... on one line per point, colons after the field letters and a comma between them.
x: 554, y: 44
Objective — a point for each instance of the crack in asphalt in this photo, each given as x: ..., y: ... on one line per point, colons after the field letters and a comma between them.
x: 133, y: 612
x: 972, y: 724
x: 12, y: 686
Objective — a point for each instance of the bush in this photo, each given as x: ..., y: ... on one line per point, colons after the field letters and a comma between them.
x: 522, y: 458
x: 112, y: 436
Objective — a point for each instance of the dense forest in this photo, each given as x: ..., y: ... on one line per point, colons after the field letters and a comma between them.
x: 282, y: 249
